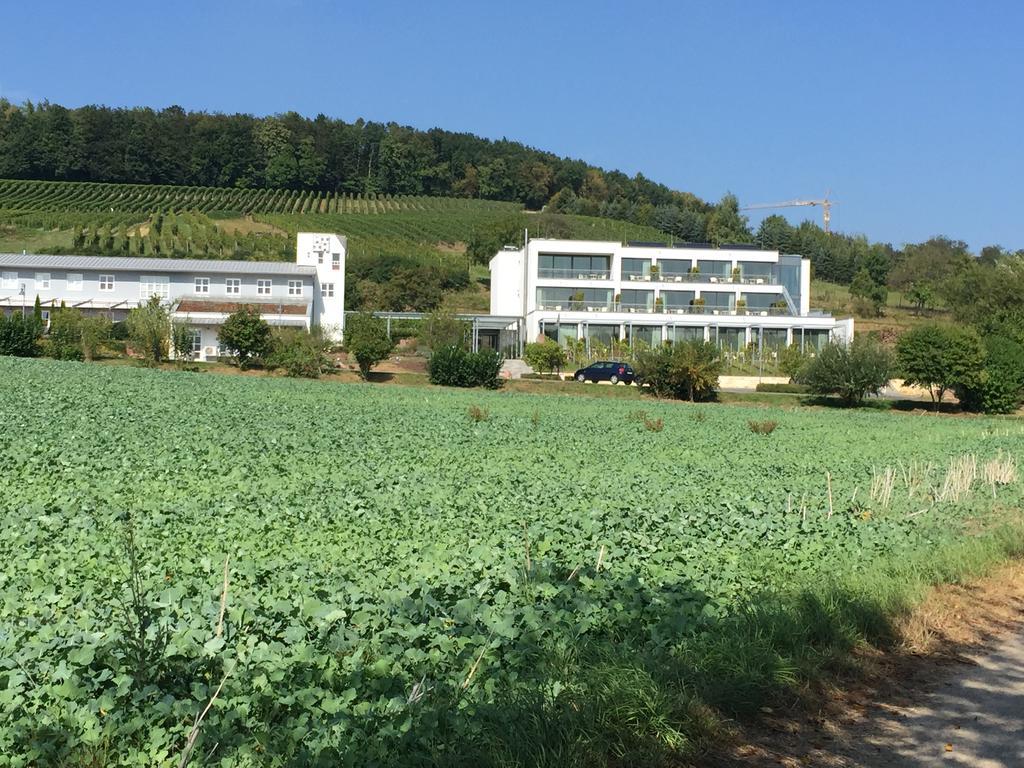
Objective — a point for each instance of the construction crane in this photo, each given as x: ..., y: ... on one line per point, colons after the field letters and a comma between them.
x: 825, y: 203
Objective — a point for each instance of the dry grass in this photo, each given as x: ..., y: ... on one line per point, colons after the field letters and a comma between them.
x: 765, y: 427
x: 478, y: 414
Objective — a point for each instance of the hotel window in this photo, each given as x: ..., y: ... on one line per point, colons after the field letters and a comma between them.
x: 233, y: 286
x: 155, y: 285
x: 42, y: 281
x: 9, y: 280
x: 294, y: 287
x: 202, y: 285
x: 263, y: 287
x: 336, y: 261
x: 106, y: 283
x: 327, y: 290
x: 74, y: 281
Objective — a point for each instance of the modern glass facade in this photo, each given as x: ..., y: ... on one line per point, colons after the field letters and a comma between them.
x: 680, y: 333
x: 560, y: 332
x: 604, y: 334
x: 646, y: 334
x: 676, y: 300
x: 720, y: 300
x: 636, y: 269
x: 732, y: 339
x: 636, y: 300
x: 673, y: 268
x: 573, y: 299
x: 576, y: 267
x: 755, y: 270
x: 714, y: 267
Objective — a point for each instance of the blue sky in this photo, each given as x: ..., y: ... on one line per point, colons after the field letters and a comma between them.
x: 911, y: 113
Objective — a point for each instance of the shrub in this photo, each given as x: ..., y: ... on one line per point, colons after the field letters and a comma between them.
x: 149, y: 328
x: 367, y: 340
x: 19, y: 335
x: 687, y: 370
x: 850, y: 371
x: 654, y: 425
x: 246, y: 334
x: 478, y: 414
x: 941, y: 358
x: 300, y: 353
x: 792, y: 361
x: 545, y: 356
x: 94, y: 334
x: 64, y: 341
x: 1000, y: 387
x: 455, y: 367
x: 762, y: 427
x: 789, y: 389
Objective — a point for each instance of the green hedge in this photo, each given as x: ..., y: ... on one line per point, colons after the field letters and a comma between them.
x: 788, y: 389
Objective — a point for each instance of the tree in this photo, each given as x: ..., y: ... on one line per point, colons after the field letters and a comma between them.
x: 246, y: 334
x: 687, y: 370
x: 95, y: 332
x: 486, y: 242
x: 64, y: 342
x: 545, y: 356
x: 940, y: 358
x: 851, y: 371
x: 1000, y: 388
x: 920, y: 295
x: 149, y: 328
x: 775, y: 233
x: 367, y: 340
x: 181, y: 341
x: 726, y: 224
x: 442, y: 328
x: 870, y: 296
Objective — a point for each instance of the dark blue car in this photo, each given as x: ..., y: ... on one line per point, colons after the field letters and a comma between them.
x: 607, y: 370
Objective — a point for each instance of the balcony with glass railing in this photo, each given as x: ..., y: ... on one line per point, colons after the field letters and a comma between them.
x: 556, y: 273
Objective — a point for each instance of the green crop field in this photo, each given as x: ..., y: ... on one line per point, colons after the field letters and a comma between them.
x: 367, y: 575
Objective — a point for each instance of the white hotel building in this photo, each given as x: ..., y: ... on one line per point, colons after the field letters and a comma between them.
x: 200, y: 293
x: 593, y: 290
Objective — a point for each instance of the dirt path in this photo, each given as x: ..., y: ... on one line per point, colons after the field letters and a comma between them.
x: 951, y: 695
x: 972, y: 717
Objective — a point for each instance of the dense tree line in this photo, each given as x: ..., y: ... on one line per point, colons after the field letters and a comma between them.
x: 173, y: 146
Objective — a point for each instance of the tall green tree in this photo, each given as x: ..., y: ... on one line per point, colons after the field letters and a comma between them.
x: 851, y: 371
x: 246, y: 334
x: 725, y: 224
x: 366, y: 340
x: 149, y: 329
x: 940, y: 358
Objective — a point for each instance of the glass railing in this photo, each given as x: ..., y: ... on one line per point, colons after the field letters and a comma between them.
x: 573, y: 274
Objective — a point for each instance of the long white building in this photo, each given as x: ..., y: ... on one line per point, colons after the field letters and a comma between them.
x: 200, y: 293
x: 598, y: 291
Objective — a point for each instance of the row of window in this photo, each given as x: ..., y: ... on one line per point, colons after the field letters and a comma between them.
x: 160, y: 285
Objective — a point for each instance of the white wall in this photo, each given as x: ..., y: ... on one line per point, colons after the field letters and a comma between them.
x: 507, y: 284
x: 326, y: 252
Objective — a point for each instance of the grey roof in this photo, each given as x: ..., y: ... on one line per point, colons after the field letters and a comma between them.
x: 120, y: 263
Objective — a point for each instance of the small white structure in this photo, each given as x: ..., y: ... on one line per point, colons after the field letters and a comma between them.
x: 200, y: 293
x: 734, y: 296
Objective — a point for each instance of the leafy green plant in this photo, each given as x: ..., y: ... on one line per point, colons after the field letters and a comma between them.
x: 300, y: 353
x: 149, y: 328
x: 246, y: 335
x: 940, y: 358
x: 545, y: 356
x: 851, y: 371
x: 455, y: 367
x: 367, y: 340
x: 688, y: 370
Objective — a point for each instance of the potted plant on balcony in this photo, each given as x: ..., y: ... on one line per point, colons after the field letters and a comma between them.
x: 779, y: 305
x: 736, y: 274
x: 576, y: 301
x: 694, y: 270
x: 741, y: 306
x: 659, y: 304
x: 698, y: 304
x: 655, y: 271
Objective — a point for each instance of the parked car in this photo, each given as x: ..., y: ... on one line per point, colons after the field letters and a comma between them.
x: 607, y: 370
